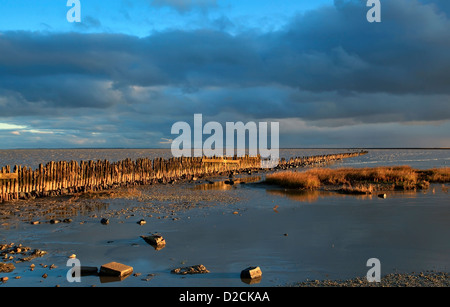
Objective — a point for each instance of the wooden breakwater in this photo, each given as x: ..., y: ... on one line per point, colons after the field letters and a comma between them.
x: 61, y: 178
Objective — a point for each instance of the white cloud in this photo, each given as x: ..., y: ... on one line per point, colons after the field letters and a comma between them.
x: 5, y: 126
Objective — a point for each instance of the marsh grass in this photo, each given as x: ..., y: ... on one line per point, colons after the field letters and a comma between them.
x: 361, y: 180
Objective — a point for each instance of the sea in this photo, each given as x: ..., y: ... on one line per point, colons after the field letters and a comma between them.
x: 416, y: 158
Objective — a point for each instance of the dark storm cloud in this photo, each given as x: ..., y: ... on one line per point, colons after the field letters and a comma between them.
x: 328, y: 67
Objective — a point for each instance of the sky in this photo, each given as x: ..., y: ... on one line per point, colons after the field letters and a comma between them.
x: 129, y: 70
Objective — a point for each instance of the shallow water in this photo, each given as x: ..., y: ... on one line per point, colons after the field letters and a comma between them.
x: 292, y: 236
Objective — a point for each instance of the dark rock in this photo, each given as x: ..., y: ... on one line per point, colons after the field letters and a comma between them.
x: 104, y: 221
x: 88, y: 270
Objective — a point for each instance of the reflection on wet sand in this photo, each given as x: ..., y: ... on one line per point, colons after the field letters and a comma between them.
x: 299, y: 195
x: 251, y: 281
x: 226, y: 184
x: 108, y: 279
x: 312, y: 196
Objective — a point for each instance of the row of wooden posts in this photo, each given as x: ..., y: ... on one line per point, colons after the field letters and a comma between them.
x: 60, y: 178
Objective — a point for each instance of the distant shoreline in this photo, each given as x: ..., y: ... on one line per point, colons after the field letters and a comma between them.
x: 284, y: 148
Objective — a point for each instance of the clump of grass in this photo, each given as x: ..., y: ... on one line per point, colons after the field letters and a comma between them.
x: 294, y: 180
x: 436, y: 175
x: 363, y: 180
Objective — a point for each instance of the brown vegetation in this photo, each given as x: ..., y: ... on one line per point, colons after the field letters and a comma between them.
x: 361, y: 180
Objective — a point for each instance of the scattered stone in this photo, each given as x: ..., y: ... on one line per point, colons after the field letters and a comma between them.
x: 382, y: 195
x: 34, y: 254
x: 45, y: 275
x: 54, y: 221
x: 115, y: 269
x: 35, y: 222
x: 427, y: 279
x: 142, y: 222
x: 251, y: 273
x: 67, y: 221
x: 6, y: 267
x: 195, y: 269
x: 4, y: 279
x: 149, y: 277
x: 104, y: 221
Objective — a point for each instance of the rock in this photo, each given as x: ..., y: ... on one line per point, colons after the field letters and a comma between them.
x: 104, y: 221
x: 67, y: 221
x: 382, y: 195
x: 142, y: 222
x: 230, y: 182
x: 54, y: 221
x: 251, y: 273
x: 73, y: 256
x: 115, y: 269
x: 6, y: 267
x: 45, y: 275
x: 34, y: 222
x: 4, y: 279
x: 155, y: 240
x: 195, y: 269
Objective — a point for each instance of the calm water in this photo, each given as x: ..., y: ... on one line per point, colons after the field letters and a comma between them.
x: 417, y: 158
x: 291, y: 235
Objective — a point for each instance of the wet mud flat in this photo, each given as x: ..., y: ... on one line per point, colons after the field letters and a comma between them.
x: 225, y: 227
x: 422, y: 279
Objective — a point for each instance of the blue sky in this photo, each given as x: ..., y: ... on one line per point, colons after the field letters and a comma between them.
x: 131, y: 69
x: 143, y: 17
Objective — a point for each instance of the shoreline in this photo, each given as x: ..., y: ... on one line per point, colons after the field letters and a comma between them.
x: 422, y: 279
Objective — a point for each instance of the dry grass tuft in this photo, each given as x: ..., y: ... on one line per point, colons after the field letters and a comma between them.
x: 362, y: 180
